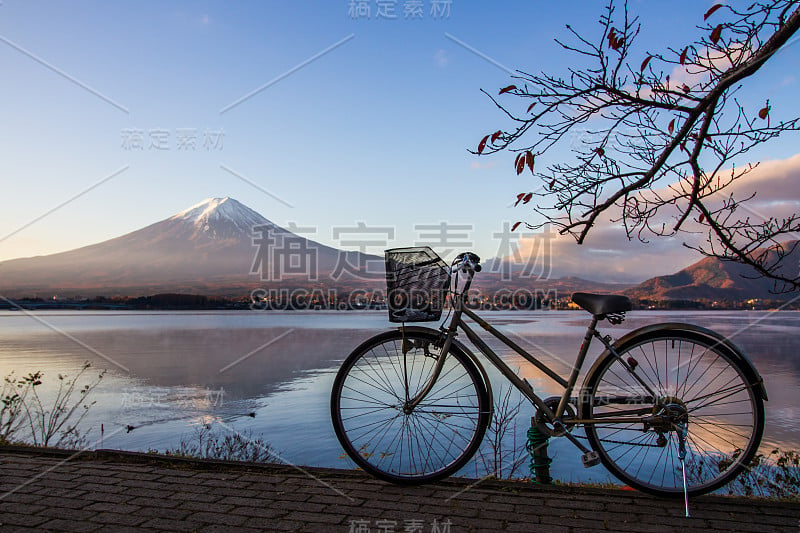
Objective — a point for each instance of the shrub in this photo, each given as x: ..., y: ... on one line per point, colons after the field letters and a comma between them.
x: 234, y: 446
x: 26, y: 417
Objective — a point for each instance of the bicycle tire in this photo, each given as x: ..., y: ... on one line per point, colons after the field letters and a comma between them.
x: 698, y: 375
x: 431, y: 442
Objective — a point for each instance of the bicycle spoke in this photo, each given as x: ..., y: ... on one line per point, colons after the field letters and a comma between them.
x: 699, y: 385
x: 393, y: 441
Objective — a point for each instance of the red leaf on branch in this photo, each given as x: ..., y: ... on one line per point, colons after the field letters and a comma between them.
x: 508, y: 89
x: 686, y: 88
x: 515, y: 226
x: 520, y: 196
x: 529, y: 159
x: 520, y: 163
x: 527, y: 198
x: 531, y: 107
x: 495, y: 135
x: 552, y: 184
x: 600, y: 152
x: 683, y: 147
x: 683, y: 55
x: 614, y: 41
x: 702, y: 218
x: 711, y: 11
x: 644, y: 63
x: 764, y: 112
x: 716, y: 34
x: 671, y: 126
x: 482, y: 144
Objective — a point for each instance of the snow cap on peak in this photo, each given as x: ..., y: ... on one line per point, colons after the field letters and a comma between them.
x: 224, y: 209
x: 209, y: 204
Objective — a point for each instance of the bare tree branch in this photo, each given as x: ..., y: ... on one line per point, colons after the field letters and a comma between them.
x: 661, y: 151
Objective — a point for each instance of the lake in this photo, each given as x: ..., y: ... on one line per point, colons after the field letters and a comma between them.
x: 269, y: 373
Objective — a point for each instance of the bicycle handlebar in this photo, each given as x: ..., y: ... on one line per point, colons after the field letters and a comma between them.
x: 466, y: 261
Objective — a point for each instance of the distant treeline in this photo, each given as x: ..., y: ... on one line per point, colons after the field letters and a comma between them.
x: 165, y: 301
x: 302, y: 299
x: 712, y: 305
x: 183, y: 301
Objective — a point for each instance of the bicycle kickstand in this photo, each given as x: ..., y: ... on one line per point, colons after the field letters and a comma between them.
x: 683, y: 431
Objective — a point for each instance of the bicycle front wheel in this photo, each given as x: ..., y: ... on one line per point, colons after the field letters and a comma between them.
x: 387, y: 439
x: 695, y: 382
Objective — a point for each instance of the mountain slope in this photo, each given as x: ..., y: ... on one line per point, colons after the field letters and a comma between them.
x: 210, y: 247
x: 712, y: 279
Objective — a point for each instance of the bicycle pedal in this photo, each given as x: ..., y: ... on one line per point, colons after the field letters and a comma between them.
x: 590, y: 459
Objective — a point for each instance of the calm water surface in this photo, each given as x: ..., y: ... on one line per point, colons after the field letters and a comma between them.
x: 269, y: 374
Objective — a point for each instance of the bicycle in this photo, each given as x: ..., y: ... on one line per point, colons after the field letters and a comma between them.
x: 670, y: 409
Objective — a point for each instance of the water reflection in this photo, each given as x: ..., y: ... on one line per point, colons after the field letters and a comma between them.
x: 171, y: 351
x: 183, y: 369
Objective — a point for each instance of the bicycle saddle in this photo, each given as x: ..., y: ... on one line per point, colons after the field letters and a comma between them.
x: 602, y: 304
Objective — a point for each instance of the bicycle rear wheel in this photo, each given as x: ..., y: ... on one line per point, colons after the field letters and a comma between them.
x: 384, y: 437
x: 697, y: 380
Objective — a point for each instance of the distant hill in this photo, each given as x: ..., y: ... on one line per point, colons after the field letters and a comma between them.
x: 212, y: 249
x: 209, y: 248
x: 712, y: 279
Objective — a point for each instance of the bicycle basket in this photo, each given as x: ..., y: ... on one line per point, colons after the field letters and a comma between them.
x: 417, y: 281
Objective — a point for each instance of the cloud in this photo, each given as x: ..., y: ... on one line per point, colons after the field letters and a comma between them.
x: 773, y: 179
x: 441, y: 58
x: 709, y: 61
x: 607, y: 255
x: 775, y: 185
x: 770, y: 189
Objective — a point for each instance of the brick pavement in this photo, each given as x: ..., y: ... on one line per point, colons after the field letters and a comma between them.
x: 118, y: 491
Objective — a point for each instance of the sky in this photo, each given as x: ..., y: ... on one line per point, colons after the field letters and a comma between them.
x: 354, y: 126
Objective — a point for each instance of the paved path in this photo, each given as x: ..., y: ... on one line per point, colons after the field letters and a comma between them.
x: 115, y: 491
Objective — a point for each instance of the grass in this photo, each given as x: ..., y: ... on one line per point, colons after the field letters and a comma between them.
x: 234, y: 446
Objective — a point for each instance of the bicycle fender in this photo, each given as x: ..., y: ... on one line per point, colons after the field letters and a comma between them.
x: 712, y: 336
x: 460, y: 346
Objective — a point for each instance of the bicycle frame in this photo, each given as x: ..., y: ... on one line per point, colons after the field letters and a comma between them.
x: 457, y: 322
x: 394, y: 395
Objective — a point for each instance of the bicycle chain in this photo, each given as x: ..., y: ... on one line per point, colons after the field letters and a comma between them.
x: 620, y: 442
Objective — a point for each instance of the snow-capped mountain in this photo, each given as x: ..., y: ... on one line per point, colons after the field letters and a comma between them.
x: 218, y: 246
x: 221, y: 218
